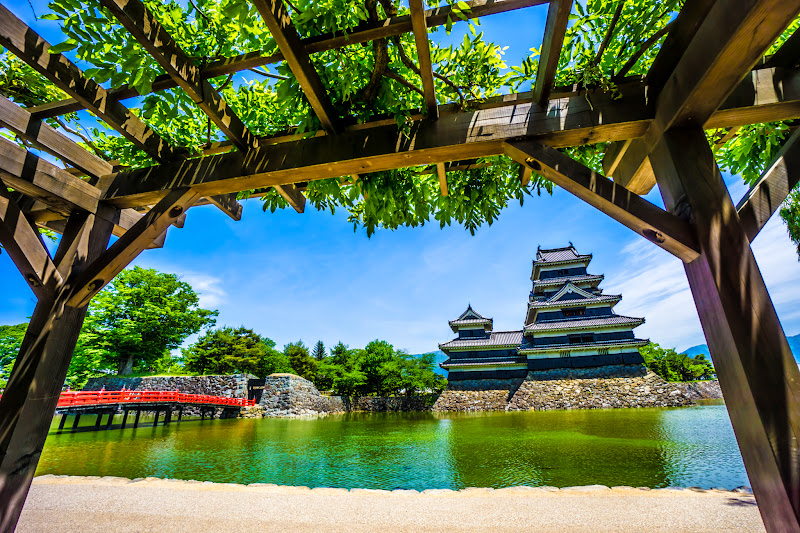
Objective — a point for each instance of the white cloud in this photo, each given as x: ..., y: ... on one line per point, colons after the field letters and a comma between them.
x: 207, y: 287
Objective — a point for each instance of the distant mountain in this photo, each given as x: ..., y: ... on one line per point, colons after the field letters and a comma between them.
x: 794, y: 344
x: 440, y: 357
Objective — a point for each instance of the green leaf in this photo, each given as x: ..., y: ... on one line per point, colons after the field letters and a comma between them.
x: 66, y: 46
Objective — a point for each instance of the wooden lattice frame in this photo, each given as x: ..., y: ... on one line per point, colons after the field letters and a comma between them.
x: 709, y: 73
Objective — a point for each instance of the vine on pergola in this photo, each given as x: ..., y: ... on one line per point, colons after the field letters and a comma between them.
x: 607, y: 40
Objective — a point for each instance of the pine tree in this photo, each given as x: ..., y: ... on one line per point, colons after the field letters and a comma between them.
x: 319, y: 351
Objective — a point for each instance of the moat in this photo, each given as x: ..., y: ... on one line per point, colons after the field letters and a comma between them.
x: 651, y: 447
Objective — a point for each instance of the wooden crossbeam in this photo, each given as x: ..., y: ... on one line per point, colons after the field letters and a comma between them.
x: 228, y: 204
x: 293, y: 195
x: 144, y: 27
x: 131, y: 244
x: 567, y: 121
x: 37, y: 178
x: 420, y: 29
x: 656, y: 225
x: 362, y: 33
x: 554, y: 30
x: 728, y: 43
x: 279, y: 22
x: 768, y: 193
x: 47, y: 138
x: 35, y: 51
x: 24, y: 245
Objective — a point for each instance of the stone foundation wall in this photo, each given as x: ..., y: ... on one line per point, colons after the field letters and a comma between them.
x: 574, y: 388
x: 232, y: 386
x: 290, y: 395
x: 391, y: 403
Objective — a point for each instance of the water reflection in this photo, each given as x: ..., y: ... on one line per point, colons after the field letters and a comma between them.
x: 638, y: 447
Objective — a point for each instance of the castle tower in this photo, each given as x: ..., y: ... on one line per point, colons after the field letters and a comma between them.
x: 569, y: 323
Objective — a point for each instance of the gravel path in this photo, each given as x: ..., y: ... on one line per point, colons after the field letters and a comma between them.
x: 65, y: 504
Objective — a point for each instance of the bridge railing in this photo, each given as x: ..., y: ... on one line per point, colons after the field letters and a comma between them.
x: 78, y: 398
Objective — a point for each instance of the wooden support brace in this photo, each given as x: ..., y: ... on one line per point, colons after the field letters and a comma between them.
x: 24, y: 245
x: 277, y: 18
x: 442, y: 173
x: 420, y: 29
x: 525, y: 173
x: 768, y: 193
x: 757, y: 371
x: 554, y: 30
x: 226, y: 203
x: 656, y: 225
x: 292, y: 195
x: 127, y: 247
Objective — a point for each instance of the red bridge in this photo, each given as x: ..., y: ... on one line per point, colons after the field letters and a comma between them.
x: 103, y: 402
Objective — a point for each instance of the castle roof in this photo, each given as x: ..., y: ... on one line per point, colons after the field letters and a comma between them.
x: 559, y: 255
x: 594, y: 299
x: 497, y: 339
x: 471, y: 318
x: 584, y: 323
x: 574, y: 279
x: 485, y: 361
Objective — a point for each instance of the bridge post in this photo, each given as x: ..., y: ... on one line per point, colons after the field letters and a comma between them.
x: 76, y: 421
x: 180, y: 413
x: 62, y: 421
x: 136, y: 420
x: 155, y: 422
x: 124, y: 418
x: 98, y: 420
x: 168, y: 416
x: 110, y: 419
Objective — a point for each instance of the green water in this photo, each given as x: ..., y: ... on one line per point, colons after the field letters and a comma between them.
x: 639, y: 447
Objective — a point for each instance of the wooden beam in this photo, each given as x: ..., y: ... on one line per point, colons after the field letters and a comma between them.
x: 35, y: 51
x: 364, y: 32
x: 757, y: 372
x: 554, y: 30
x: 293, y: 195
x: 24, y: 245
x: 731, y: 39
x: 34, y: 386
x: 35, y: 177
x: 664, y: 229
x: 279, y: 22
x: 768, y: 193
x: 37, y: 132
x: 226, y: 203
x: 131, y: 244
x: 613, y: 154
x: 424, y: 56
x: 525, y: 175
x: 442, y: 173
x: 144, y: 27
x: 567, y: 121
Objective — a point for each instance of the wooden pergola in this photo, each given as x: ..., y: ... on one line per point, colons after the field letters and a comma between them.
x: 710, y: 72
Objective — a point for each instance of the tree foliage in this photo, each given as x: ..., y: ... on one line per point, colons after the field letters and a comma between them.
x: 319, y: 351
x: 139, y: 317
x: 230, y: 350
x: 10, y: 341
x: 674, y: 366
x: 301, y: 361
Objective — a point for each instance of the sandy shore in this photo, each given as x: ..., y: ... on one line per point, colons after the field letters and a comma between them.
x: 64, y: 504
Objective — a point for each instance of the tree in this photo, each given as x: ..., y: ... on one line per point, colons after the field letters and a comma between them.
x: 319, y: 351
x: 673, y: 366
x: 302, y: 363
x: 230, y: 350
x: 140, y: 316
x: 10, y: 342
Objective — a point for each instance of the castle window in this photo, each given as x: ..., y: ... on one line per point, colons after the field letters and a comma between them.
x: 574, y: 311
x: 581, y: 338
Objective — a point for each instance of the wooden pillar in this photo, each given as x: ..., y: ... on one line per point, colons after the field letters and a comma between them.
x: 98, y: 420
x: 110, y: 419
x: 136, y: 420
x: 62, y: 421
x: 180, y: 414
x: 124, y: 418
x: 155, y: 422
x: 757, y: 372
x: 34, y: 386
x: 76, y: 421
x: 168, y: 416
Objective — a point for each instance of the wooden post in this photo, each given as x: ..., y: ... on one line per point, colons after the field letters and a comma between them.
x: 62, y: 421
x: 110, y: 419
x: 136, y: 420
x: 155, y: 422
x: 98, y: 420
x: 168, y: 416
x: 180, y: 413
x: 757, y: 372
x: 124, y: 418
x: 76, y: 421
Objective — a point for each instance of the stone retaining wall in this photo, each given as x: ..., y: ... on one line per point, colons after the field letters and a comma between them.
x: 391, y: 403
x: 290, y: 395
x: 571, y: 388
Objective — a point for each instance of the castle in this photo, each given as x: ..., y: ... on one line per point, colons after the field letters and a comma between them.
x: 569, y: 323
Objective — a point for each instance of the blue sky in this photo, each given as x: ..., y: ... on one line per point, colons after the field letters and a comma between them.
x: 309, y: 276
